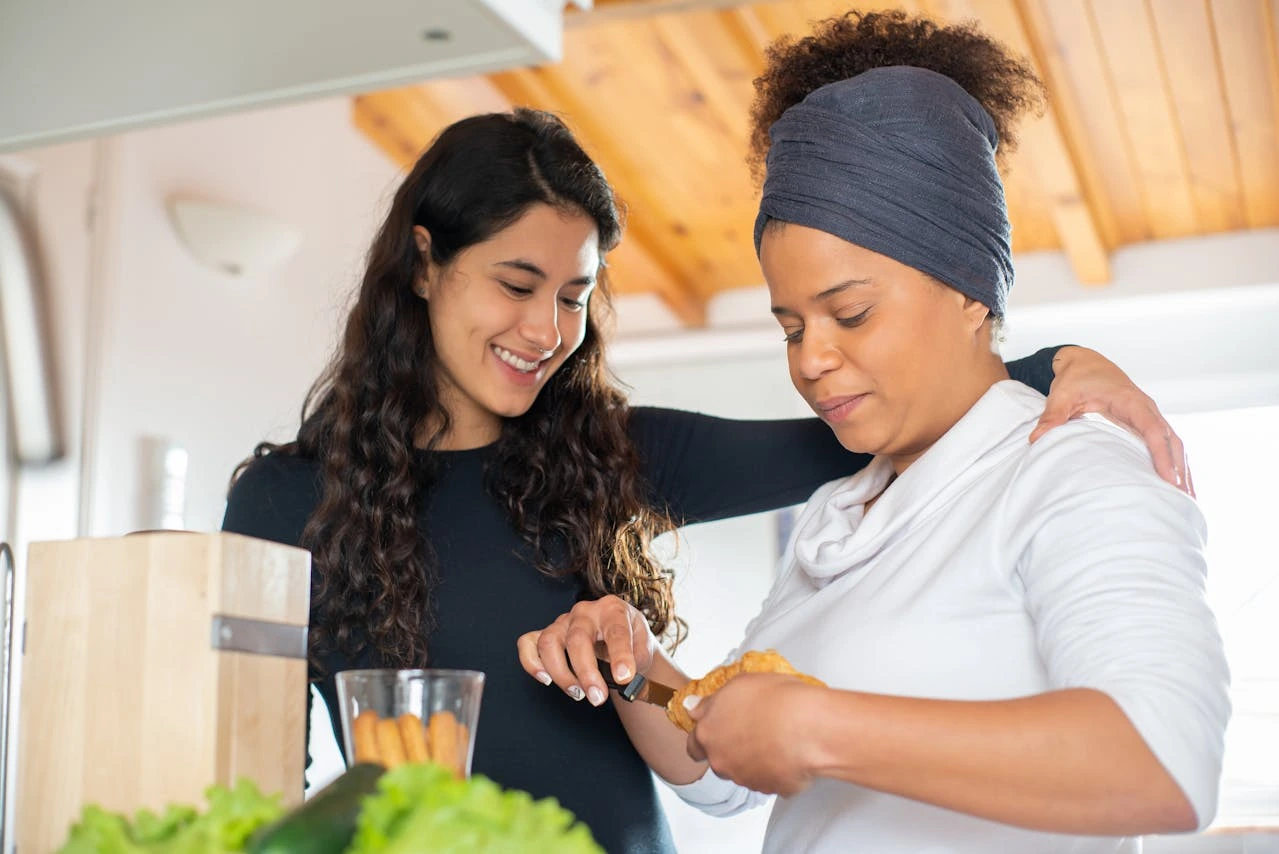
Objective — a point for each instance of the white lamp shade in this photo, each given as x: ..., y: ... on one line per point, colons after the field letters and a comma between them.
x: 233, y: 239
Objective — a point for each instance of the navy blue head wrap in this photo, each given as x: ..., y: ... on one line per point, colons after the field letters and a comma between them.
x: 901, y: 161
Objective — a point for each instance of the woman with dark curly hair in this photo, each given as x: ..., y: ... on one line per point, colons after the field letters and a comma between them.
x: 466, y: 470
x: 1012, y: 641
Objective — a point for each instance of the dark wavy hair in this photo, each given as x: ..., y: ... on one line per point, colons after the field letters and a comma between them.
x: 845, y: 46
x: 566, y: 471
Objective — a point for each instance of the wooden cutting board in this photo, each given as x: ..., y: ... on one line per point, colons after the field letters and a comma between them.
x: 135, y: 690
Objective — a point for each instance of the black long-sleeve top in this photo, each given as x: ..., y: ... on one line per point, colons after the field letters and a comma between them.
x: 697, y: 467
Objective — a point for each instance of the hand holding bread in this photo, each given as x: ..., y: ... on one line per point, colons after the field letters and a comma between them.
x: 754, y: 661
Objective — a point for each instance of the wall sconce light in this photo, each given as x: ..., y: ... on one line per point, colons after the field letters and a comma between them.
x: 233, y: 239
x: 29, y: 373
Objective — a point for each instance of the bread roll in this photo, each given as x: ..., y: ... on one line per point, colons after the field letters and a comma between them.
x: 754, y: 661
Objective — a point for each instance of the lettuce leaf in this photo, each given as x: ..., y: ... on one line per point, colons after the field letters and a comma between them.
x: 232, y: 817
x: 422, y: 807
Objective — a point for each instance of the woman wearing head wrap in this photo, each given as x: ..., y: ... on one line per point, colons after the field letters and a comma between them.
x: 1015, y: 638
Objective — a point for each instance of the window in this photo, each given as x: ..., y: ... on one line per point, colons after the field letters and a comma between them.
x: 1234, y: 459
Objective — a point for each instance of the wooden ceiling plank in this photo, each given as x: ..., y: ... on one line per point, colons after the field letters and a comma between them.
x: 721, y: 78
x: 1185, y: 36
x: 658, y: 93
x: 938, y: 10
x: 1034, y: 229
x: 465, y: 96
x: 397, y: 121
x: 783, y: 19
x: 1246, y: 45
x: 745, y: 27
x: 621, y: 10
x: 402, y: 122
x: 1126, y: 33
x: 812, y: 11
x: 543, y: 89
x: 691, y: 162
x: 633, y: 269
x: 1047, y: 51
x: 1044, y: 148
x: 1096, y: 124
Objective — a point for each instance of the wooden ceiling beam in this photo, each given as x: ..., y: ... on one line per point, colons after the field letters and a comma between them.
x: 634, y: 269
x: 1079, y: 82
x: 1247, y: 36
x: 1185, y: 36
x: 750, y: 33
x: 647, y: 241
x: 1045, y: 146
x: 724, y: 99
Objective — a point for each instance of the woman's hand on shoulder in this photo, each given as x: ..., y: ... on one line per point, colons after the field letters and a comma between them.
x: 565, y: 652
x: 1086, y: 381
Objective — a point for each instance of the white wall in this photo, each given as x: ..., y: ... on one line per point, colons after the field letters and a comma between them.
x: 174, y: 349
x: 186, y: 347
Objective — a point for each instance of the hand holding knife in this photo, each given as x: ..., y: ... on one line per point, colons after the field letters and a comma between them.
x: 638, y: 688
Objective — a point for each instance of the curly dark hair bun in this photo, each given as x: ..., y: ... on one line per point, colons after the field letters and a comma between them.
x: 845, y: 46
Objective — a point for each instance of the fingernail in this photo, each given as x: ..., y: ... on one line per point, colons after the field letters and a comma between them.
x: 543, y: 677
x: 691, y: 701
x: 596, y: 696
x: 576, y: 693
x: 622, y: 673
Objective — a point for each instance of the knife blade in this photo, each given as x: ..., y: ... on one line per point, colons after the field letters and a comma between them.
x: 640, y: 688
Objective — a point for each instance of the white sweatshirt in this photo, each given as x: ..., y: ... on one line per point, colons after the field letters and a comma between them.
x: 993, y: 569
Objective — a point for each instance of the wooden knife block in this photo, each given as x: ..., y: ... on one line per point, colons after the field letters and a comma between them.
x: 132, y: 694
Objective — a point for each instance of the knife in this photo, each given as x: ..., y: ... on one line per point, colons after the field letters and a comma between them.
x: 656, y: 693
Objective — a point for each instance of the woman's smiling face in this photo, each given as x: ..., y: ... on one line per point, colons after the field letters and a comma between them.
x: 886, y: 355
x: 506, y: 313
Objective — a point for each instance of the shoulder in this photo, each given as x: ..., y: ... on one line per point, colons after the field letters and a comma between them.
x: 1092, y: 448
x: 1089, y: 446
x: 650, y: 419
x: 1094, y: 472
x: 273, y: 497
x: 275, y: 471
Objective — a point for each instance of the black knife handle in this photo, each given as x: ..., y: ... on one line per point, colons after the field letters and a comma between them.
x: 627, y: 692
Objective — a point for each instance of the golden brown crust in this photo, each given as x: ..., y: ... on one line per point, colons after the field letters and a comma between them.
x: 389, y: 745
x: 364, y: 734
x: 754, y: 661
x: 444, y: 733
x: 413, y: 734
x: 393, y: 741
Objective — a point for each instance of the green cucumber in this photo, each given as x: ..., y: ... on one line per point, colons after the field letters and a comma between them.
x: 326, y: 822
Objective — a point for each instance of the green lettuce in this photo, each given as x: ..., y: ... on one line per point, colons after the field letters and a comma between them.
x: 422, y: 807
x: 233, y: 815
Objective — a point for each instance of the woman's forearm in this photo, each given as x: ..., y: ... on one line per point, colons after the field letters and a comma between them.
x: 662, y: 744
x: 1067, y: 761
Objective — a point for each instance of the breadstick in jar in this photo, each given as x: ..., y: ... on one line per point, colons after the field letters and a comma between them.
x: 413, y: 734
x: 364, y: 734
x: 389, y: 744
x: 442, y: 733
